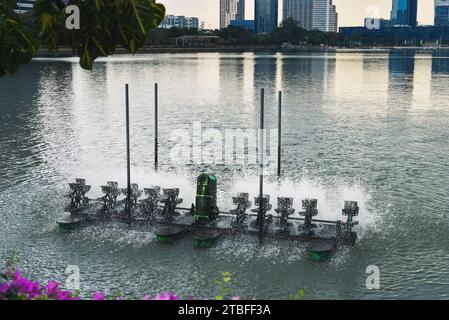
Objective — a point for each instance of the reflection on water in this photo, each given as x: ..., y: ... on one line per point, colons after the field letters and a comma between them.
x: 440, y: 62
x: 365, y: 127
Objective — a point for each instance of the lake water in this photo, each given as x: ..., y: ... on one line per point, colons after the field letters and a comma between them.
x: 357, y: 126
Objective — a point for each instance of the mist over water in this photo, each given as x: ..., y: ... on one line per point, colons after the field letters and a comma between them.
x: 362, y: 127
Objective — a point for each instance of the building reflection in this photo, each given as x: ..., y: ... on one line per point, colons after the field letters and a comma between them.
x: 440, y: 61
x: 440, y: 77
x: 264, y: 70
x: 267, y: 75
x: 401, y: 69
x: 307, y: 76
x: 401, y: 63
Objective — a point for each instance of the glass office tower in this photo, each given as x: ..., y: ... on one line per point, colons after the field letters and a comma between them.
x: 265, y: 15
x: 441, y: 13
x: 404, y: 13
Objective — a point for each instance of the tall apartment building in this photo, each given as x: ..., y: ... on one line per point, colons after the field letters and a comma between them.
x: 300, y: 10
x: 325, y: 17
x: 231, y: 10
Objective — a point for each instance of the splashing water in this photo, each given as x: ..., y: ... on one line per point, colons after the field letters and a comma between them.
x: 330, y: 197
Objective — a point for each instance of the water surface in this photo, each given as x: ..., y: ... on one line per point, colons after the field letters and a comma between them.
x: 357, y: 126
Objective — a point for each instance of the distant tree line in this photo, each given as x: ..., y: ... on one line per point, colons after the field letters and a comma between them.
x: 288, y: 32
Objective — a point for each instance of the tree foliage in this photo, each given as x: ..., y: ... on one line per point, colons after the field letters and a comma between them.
x: 288, y: 32
x: 235, y: 35
x: 17, y: 43
x: 104, y: 25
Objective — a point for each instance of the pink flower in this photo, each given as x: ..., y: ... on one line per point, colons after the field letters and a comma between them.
x: 16, y: 275
x: 98, y: 296
x: 166, y: 296
x: 4, y: 287
x: 235, y: 298
x: 64, y: 295
x: 23, y: 286
x: 51, y: 287
x: 172, y: 296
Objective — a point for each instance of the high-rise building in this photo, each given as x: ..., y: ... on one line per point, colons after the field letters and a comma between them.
x: 301, y: 11
x: 404, y: 13
x: 265, y: 15
x: 325, y: 17
x: 231, y: 10
x: 441, y: 13
x: 171, y: 21
x: 25, y: 6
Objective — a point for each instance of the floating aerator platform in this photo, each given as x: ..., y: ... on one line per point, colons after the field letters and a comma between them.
x: 160, y: 211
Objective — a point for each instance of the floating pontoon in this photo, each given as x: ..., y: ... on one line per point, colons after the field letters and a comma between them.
x: 161, y: 213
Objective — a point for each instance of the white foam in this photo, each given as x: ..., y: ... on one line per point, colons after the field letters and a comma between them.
x: 330, y: 197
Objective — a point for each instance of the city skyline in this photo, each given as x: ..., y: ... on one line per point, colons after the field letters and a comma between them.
x: 350, y: 12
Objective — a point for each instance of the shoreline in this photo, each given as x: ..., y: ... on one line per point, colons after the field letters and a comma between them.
x: 67, y: 52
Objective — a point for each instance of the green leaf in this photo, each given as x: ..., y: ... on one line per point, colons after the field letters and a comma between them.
x: 7, y: 6
x: 300, y: 294
x: 104, y: 26
x: 18, y: 45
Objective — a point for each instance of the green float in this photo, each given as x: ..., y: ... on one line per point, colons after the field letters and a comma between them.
x: 169, y: 234
x: 203, y: 239
x: 320, y: 250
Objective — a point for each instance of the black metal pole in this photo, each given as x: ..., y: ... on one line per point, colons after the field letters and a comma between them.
x: 261, y: 217
x: 279, y: 133
x: 156, y: 124
x: 128, y: 155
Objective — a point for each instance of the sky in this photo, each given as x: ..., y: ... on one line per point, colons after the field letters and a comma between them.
x: 350, y: 12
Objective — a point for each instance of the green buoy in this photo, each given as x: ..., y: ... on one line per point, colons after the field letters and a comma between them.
x: 169, y: 234
x: 203, y: 239
x: 320, y: 250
